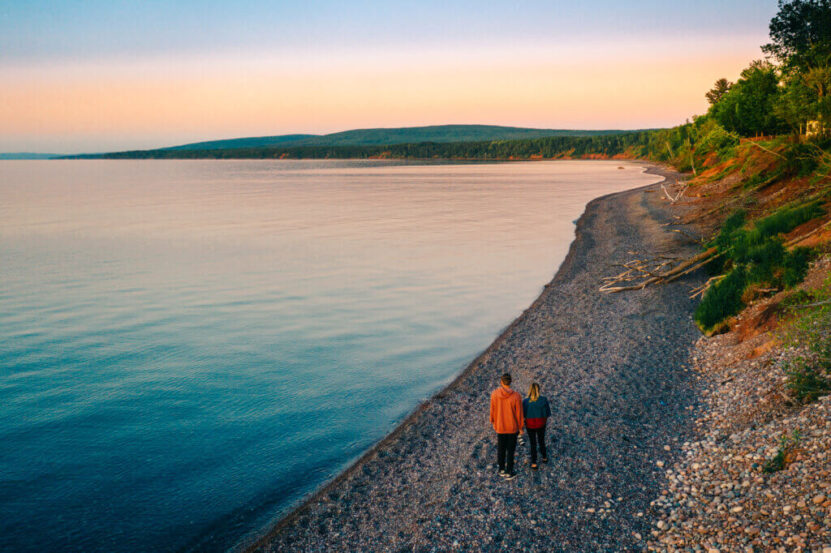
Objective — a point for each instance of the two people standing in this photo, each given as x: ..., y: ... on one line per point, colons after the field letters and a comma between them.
x: 508, y: 414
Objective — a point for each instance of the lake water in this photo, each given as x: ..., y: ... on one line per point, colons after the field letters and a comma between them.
x: 187, y: 348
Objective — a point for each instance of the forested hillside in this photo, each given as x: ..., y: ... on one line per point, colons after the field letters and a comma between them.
x: 359, y: 143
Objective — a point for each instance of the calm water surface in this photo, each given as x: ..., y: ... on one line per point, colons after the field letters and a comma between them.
x: 187, y: 348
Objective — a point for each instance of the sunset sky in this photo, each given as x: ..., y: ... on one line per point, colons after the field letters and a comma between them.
x: 89, y: 76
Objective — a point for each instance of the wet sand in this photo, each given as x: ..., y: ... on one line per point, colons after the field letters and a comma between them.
x: 616, y: 369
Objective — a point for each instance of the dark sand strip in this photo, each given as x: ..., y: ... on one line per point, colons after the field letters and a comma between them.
x: 615, y: 368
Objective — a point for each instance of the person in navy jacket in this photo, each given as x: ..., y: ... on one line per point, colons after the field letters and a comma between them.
x: 536, y: 410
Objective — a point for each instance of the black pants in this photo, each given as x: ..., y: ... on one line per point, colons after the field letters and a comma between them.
x: 537, y: 436
x: 505, y: 449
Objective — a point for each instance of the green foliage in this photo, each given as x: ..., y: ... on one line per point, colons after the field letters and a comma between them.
x: 801, y: 159
x: 714, y: 138
x: 762, y: 260
x: 681, y: 146
x: 748, y: 108
x: 729, y: 228
x: 796, y: 266
x: 798, y: 297
x: 546, y: 147
x: 809, y: 333
x: 786, y: 219
x: 812, y: 328
x: 754, y: 256
x: 797, y: 104
x: 800, y: 33
x: 759, y: 179
x: 723, y: 300
x: 775, y: 463
x: 786, y: 446
x: 720, y: 88
x: 806, y: 382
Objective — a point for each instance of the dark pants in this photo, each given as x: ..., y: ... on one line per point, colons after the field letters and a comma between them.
x: 537, y: 436
x: 505, y: 449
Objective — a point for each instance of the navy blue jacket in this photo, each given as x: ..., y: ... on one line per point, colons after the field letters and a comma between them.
x: 536, y: 409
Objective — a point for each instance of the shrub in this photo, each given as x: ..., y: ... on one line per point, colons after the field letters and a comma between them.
x: 806, y: 380
x: 787, y: 446
x: 755, y: 256
x: 810, y: 333
x: 801, y: 159
x: 731, y: 225
x: 786, y: 219
x: 796, y: 266
x: 713, y: 138
x: 723, y: 300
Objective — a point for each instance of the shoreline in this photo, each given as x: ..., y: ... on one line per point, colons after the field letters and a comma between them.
x: 310, y: 507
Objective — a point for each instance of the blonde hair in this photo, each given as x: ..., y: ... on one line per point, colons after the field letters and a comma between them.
x: 534, y: 392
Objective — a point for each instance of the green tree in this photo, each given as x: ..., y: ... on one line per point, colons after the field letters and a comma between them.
x: 800, y: 34
x: 718, y: 91
x: 748, y: 108
x: 797, y: 104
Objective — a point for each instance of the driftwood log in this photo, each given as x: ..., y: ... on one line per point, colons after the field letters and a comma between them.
x: 655, y: 271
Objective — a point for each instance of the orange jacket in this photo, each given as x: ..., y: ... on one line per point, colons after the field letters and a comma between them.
x: 506, y: 411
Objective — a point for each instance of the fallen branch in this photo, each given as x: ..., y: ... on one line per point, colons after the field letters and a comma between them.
x: 777, y: 154
x: 695, y: 239
x: 767, y: 290
x: 798, y: 239
x: 701, y: 290
x: 677, y: 196
x: 815, y: 304
x: 684, y: 268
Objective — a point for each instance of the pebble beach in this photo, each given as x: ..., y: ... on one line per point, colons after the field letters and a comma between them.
x: 618, y: 372
x: 717, y: 496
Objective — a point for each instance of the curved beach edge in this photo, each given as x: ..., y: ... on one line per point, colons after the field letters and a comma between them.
x: 565, y: 271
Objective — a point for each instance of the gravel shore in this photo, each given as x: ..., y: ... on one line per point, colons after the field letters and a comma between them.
x: 617, y: 371
x: 716, y: 496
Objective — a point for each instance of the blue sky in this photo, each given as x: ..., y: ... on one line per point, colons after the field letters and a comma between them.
x: 46, y: 30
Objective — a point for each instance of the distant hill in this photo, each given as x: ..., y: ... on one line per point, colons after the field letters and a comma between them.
x: 27, y: 155
x: 383, y: 136
x: 252, y: 142
x: 437, y: 133
x: 440, y: 141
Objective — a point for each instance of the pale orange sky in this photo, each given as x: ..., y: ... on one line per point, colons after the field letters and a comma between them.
x: 114, y: 101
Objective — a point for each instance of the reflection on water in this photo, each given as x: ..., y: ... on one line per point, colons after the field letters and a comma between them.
x: 189, y: 347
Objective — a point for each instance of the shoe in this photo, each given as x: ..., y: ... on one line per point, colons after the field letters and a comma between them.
x: 510, y: 476
x: 534, y: 466
x: 502, y: 473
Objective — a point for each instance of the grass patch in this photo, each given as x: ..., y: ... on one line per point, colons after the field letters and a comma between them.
x: 723, y: 300
x: 754, y: 256
x: 809, y: 373
x: 806, y: 381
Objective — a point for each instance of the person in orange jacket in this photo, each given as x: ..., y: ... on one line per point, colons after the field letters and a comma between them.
x: 507, y: 419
